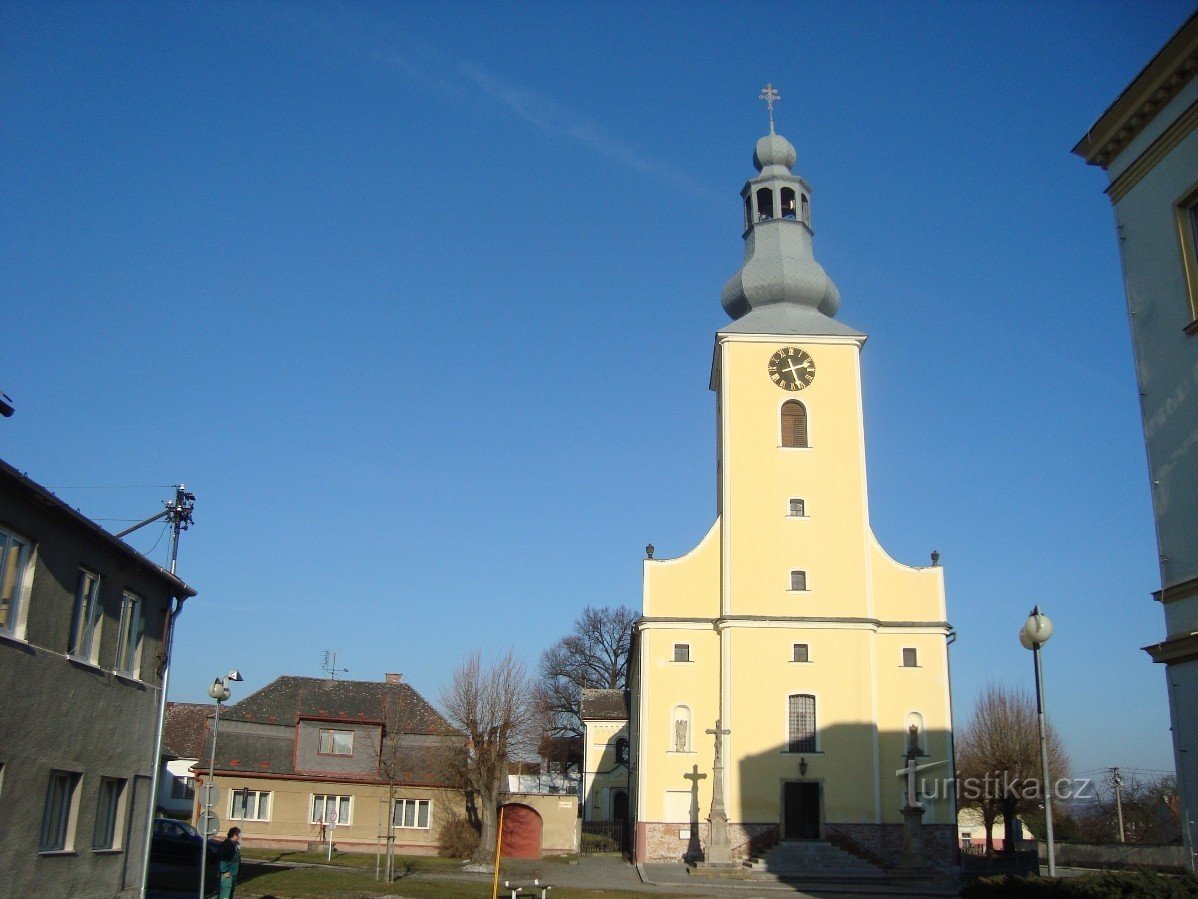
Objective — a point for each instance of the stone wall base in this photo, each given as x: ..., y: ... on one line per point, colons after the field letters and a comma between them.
x: 659, y: 842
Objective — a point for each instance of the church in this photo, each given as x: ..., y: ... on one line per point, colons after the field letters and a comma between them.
x: 788, y: 675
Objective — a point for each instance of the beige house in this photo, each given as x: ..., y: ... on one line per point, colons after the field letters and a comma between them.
x: 305, y: 760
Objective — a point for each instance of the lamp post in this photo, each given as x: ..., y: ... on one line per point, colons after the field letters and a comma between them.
x: 220, y: 692
x: 1034, y: 634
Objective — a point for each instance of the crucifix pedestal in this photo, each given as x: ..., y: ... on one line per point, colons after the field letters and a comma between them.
x: 913, y: 854
x: 719, y: 849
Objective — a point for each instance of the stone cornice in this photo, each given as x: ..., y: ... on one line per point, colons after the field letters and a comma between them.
x: 1159, y: 82
x: 1175, y: 649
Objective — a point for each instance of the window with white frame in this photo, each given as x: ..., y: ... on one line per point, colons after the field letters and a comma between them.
x: 682, y: 652
x: 798, y: 580
x: 802, y: 653
x: 108, y: 811
x: 133, y: 627
x: 412, y: 813
x: 910, y: 657
x: 58, y: 817
x: 336, y: 742
x: 249, y: 805
x: 14, y: 560
x: 801, y: 723
x: 85, y: 627
x: 330, y: 809
x: 797, y: 508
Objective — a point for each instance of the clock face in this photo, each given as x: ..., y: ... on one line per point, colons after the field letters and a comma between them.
x: 791, y: 368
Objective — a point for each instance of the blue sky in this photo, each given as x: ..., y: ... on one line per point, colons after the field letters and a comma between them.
x: 419, y: 300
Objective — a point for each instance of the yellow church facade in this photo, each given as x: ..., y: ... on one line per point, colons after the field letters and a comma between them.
x: 823, y: 659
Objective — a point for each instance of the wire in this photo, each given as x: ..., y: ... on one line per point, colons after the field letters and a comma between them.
x: 165, y: 528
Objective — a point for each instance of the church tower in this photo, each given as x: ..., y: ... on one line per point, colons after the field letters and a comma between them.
x: 823, y: 660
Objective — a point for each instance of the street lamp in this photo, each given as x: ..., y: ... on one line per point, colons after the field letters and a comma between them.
x: 1034, y: 634
x: 220, y: 692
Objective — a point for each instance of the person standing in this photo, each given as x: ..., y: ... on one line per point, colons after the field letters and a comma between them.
x: 228, y: 857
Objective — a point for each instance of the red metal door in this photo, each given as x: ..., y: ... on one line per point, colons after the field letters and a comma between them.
x: 521, y: 832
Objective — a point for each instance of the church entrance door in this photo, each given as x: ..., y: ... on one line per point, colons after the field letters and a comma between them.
x: 800, y: 810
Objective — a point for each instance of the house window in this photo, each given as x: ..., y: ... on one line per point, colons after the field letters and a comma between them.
x: 794, y: 424
x: 250, y: 805
x: 765, y: 204
x: 910, y: 658
x: 133, y: 626
x: 330, y: 809
x: 801, y: 653
x: 680, y: 729
x: 801, y: 723
x: 336, y: 742
x: 682, y: 652
x: 798, y: 508
x: 14, y: 558
x: 108, y: 810
x: 58, y: 817
x: 411, y: 813
x: 1186, y: 210
x: 85, y: 628
x: 183, y: 787
x: 798, y: 580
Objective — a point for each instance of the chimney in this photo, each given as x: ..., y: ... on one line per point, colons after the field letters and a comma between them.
x: 395, y: 678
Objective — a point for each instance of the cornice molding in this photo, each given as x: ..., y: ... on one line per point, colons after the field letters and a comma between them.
x: 1175, y: 650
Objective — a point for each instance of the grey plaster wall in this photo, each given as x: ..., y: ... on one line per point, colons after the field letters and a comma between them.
x: 63, y: 714
x: 365, y: 758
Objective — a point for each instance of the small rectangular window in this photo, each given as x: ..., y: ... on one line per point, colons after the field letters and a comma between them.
x: 336, y: 742
x: 682, y: 652
x: 128, y: 650
x: 798, y: 509
x: 58, y: 816
x: 14, y: 560
x: 798, y: 580
x: 85, y: 627
x: 801, y: 653
x: 910, y: 658
x: 108, y: 809
x: 411, y: 813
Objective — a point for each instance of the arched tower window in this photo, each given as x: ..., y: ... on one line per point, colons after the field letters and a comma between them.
x: 748, y: 212
x: 680, y: 729
x: 621, y: 750
x: 794, y: 424
x: 765, y: 204
x: 801, y: 723
x: 806, y: 209
x: 788, y: 203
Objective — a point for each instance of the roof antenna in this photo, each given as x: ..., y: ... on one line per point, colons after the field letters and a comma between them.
x: 330, y: 665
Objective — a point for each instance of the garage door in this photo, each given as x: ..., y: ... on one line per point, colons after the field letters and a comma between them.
x: 521, y: 832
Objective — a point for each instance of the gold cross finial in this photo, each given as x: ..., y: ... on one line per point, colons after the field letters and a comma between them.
x: 770, y: 96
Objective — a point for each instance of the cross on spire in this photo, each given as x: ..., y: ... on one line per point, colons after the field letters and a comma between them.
x: 770, y: 96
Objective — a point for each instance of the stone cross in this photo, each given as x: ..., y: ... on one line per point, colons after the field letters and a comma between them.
x: 719, y: 850
x: 718, y: 731
x: 770, y: 96
x: 912, y: 798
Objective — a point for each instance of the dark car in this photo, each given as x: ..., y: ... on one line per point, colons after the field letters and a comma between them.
x: 178, y: 842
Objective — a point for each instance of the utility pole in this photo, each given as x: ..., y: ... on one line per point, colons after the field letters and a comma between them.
x: 1118, y: 780
x: 178, y: 512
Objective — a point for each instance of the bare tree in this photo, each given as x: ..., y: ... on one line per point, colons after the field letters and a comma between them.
x: 593, y: 655
x: 1147, y: 806
x: 998, y: 760
x: 492, y: 704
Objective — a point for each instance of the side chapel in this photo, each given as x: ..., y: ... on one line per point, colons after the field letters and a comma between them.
x: 787, y: 673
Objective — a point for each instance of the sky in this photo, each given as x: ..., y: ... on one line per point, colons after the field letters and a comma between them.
x: 419, y: 300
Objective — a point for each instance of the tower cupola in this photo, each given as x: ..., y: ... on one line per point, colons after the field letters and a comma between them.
x: 779, y: 266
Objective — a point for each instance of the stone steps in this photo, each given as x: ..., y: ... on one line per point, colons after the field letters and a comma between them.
x: 811, y: 859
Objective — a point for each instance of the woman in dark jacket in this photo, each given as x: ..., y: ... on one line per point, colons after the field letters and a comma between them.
x: 228, y: 857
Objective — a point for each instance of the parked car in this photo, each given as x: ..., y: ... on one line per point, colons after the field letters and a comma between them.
x: 178, y: 842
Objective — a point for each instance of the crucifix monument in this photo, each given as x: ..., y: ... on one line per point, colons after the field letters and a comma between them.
x: 719, y: 850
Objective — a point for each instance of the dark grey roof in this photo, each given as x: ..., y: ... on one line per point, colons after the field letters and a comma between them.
x: 606, y: 705
x: 287, y: 699
x: 185, y: 727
